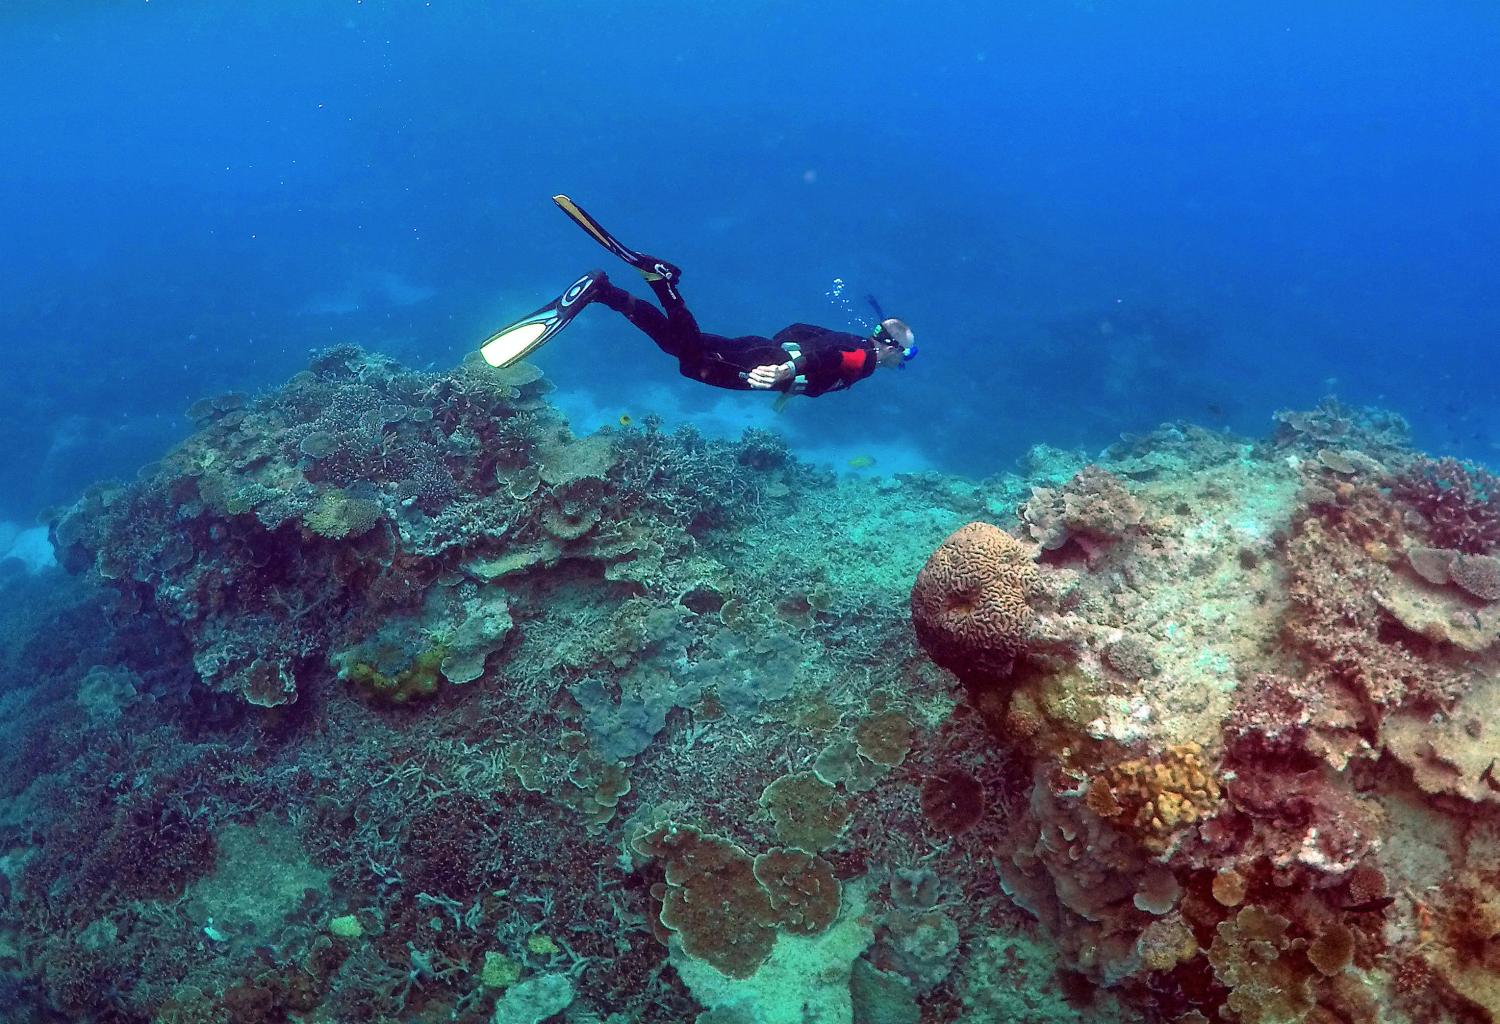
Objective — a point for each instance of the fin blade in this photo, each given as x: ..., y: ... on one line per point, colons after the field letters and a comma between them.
x: 596, y: 230
x: 519, y: 339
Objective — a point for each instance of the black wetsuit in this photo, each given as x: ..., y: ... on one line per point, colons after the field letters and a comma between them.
x: 825, y: 360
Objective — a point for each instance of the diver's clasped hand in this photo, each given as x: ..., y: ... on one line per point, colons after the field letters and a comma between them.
x: 764, y: 377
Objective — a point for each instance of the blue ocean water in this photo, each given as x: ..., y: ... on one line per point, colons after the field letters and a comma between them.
x: 1097, y: 216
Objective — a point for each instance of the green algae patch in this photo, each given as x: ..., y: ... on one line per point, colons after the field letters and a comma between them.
x: 499, y: 970
x: 346, y: 926
x: 418, y: 680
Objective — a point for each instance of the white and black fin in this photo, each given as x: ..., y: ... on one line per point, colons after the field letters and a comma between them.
x: 651, y: 268
x: 526, y: 335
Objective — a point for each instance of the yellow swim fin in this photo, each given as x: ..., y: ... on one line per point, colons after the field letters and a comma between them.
x: 649, y: 267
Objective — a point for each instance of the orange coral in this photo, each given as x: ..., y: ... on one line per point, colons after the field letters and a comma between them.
x: 1157, y: 796
x: 969, y: 604
x: 1229, y: 888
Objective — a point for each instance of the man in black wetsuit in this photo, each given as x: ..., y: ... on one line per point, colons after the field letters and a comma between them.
x: 800, y: 359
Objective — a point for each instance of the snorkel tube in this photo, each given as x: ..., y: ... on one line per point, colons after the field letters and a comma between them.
x: 893, y: 332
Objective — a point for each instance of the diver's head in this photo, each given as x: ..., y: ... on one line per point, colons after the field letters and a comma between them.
x: 895, y: 343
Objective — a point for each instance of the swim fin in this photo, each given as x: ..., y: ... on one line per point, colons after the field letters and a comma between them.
x: 525, y: 336
x: 649, y: 267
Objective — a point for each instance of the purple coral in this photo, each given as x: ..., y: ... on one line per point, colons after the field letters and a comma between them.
x: 1459, y: 501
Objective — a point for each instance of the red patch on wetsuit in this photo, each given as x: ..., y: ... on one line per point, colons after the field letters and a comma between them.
x: 852, y: 365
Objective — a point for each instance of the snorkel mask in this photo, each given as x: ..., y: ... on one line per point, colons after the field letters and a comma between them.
x: 893, y: 333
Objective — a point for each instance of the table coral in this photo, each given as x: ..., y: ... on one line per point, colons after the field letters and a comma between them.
x: 1264, y: 970
x: 713, y: 903
x: 803, y: 891
x: 808, y: 813
x: 884, y: 738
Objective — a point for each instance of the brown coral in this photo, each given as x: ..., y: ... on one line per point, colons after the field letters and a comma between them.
x: 1166, y: 943
x: 1478, y: 574
x: 953, y: 801
x: 808, y: 813
x: 1252, y: 957
x: 803, y: 890
x: 969, y: 604
x: 713, y: 902
x: 884, y: 738
x: 1332, y: 951
x: 267, y: 684
x: 1366, y: 885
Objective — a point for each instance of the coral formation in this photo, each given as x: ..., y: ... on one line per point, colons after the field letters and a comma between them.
x: 387, y: 697
x: 1459, y: 503
x: 1156, y: 797
x: 1094, y: 510
x: 969, y: 604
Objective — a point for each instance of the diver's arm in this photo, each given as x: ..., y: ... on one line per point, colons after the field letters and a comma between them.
x: 763, y: 378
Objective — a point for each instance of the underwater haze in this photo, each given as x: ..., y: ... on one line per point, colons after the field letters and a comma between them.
x: 1098, y: 216
x: 1128, y: 654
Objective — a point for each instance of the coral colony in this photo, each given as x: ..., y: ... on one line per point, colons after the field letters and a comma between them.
x: 383, y: 697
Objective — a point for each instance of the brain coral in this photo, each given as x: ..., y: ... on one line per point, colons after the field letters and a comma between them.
x: 969, y: 604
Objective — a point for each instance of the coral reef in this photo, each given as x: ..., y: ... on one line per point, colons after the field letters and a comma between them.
x: 385, y: 697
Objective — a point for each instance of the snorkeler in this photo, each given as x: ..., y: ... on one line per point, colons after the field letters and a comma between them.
x: 799, y: 360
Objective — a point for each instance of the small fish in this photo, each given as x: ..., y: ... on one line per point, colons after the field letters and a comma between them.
x: 1370, y: 906
x: 862, y: 462
x: 625, y: 419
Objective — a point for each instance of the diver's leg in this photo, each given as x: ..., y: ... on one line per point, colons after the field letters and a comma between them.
x: 672, y: 334
x: 684, y: 324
